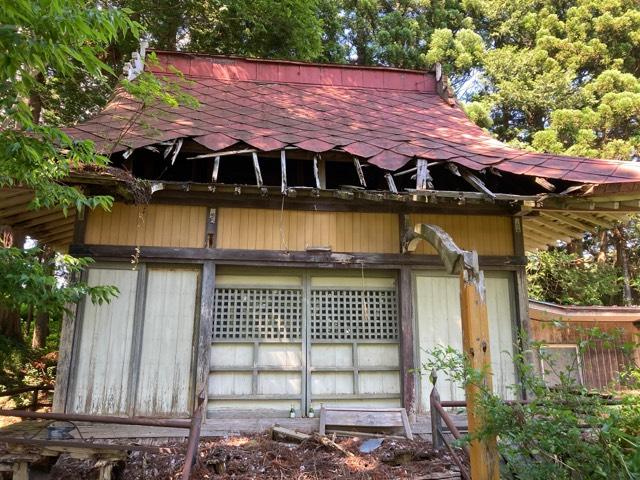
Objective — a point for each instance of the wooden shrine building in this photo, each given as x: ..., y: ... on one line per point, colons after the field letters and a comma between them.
x: 257, y: 239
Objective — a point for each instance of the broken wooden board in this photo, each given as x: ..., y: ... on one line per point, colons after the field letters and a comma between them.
x: 278, y: 432
x: 360, y: 417
x: 287, y: 434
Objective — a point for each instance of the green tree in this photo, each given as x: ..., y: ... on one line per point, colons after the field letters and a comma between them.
x: 52, y: 52
x: 562, y: 77
x: 399, y: 33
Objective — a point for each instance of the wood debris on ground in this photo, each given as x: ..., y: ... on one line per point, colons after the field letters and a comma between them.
x: 260, y: 456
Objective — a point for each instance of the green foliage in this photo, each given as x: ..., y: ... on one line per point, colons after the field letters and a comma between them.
x: 564, y: 278
x: 564, y: 432
x: 39, y: 37
x: 563, y: 76
x: 27, y: 280
x: 256, y: 28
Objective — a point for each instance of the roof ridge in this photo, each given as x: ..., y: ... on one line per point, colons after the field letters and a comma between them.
x: 291, y: 62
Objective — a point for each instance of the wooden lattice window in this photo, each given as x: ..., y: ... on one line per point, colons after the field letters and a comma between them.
x: 351, y: 314
x: 258, y: 314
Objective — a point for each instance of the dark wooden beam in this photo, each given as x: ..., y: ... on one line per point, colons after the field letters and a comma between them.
x: 322, y: 203
x: 278, y: 257
x: 408, y: 361
x: 205, y: 327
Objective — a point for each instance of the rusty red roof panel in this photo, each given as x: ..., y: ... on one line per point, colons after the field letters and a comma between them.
x: 388, y: 116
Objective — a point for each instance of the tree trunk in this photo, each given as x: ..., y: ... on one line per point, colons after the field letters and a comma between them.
x: 603, y: 240
x: 35, y: 100
x: 9, y: 319
x: 40, y: 330
x: 10, y: 324
x: 622, y: 261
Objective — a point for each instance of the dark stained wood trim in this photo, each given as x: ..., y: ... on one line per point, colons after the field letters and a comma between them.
x: 140, y: 306
x: 324, y: 204
x: 205, y: 328
x: 521, y: 291
x: 517, y: 230
x: 523, y: 323
x: 277, y: 257
x: 407, y: 345
x: 211, y: 228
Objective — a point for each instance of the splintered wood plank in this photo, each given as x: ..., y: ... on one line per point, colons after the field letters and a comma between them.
x: 365, y: 418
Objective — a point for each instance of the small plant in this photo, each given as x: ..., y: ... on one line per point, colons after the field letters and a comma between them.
x: 564, y: 432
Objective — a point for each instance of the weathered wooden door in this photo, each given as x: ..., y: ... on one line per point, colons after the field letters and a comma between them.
x: 134, y: 355
x: 293, y: 338
x: 103, y: 353
x: 437, y: 307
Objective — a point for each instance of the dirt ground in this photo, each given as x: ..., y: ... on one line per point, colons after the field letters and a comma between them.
x: 258, y: 456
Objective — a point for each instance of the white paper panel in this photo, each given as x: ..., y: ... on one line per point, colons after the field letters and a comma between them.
x: 379, y: 382
x: 326, y: 355
x: 232, y: 355
x: 279, y: 383
x: 230, y: 383
x: 331, y: 383
x: 279, y: 355
x: 380, y: 355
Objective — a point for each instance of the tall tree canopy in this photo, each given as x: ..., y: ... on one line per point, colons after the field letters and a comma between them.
x: 560, y: 76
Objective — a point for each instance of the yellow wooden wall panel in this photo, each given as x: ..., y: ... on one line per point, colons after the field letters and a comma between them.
x: 262, y: 229
x: 150, y: 225
x: 487, y: 234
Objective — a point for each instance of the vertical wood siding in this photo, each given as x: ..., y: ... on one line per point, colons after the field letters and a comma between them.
x: 103, y: 360
x: 150, y: 225
x: 487, y: 234
x: 165, y: 373
x: 261, y: 229
x: 437, y: 299
x: 601, y: 361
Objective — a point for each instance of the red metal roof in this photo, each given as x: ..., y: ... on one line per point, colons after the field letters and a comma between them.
x: 386, y: 116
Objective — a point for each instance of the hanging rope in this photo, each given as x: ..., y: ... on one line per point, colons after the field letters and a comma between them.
x: 283, y: 242
x: 365, y: 307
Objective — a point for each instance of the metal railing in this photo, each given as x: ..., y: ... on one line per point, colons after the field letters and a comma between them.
x: 193, y: 425
x: 439, y: 416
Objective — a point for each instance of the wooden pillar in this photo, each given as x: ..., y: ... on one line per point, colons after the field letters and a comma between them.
x: 407, y: 350
x: 525, y: 333
x: 475, y: 337
x: 206, y: 326
x: 475, y: 340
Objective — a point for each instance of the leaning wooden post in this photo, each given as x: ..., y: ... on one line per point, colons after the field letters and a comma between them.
x: 436, y: 420
x: 475, y: 335
x: 475, y: 341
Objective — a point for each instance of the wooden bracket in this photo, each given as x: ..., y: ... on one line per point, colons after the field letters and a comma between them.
x: 216, y: 169
x: 423, y: 177
x: 256, y: 168
x: 391, y: 183
x: 283, y: 172
x: 358, y: 166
